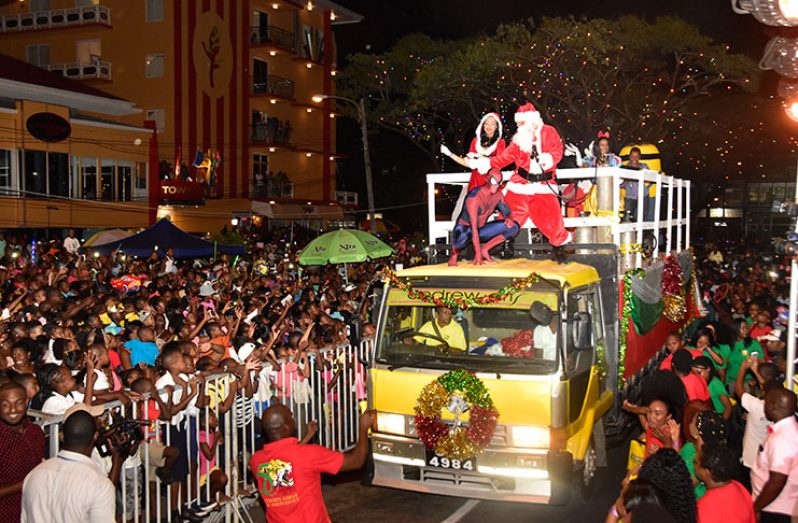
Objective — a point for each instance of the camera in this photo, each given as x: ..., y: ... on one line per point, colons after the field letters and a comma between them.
x: 120, y: 433
x: 786, y: 246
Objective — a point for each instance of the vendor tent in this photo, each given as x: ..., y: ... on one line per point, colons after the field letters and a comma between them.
x: 164, y: 235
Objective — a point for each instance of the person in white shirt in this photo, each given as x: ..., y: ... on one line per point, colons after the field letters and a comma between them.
x: 59, y: 389
x: 774, y: 477
x: 756, y: 423
x: 71, y: 244
x: 69, y: 488
x: 544, y: 337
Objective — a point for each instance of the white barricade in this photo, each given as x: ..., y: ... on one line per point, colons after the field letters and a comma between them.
x: 328, y: 387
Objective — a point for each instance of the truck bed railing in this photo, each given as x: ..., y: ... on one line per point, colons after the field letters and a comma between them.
x: 670, y: 225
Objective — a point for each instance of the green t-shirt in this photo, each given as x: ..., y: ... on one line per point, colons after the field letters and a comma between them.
x: 721, y: 350
x: 688, y: 455
x: 736, y: 357
x: 716, y: 390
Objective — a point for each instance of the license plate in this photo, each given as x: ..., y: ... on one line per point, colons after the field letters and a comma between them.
x: 441, y: 462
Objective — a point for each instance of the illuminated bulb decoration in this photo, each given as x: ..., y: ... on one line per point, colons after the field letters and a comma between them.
x: 769, y: 12
x: 781, y: 56
x: 791, y: 108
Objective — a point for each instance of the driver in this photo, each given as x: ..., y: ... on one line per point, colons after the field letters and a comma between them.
x: 442, y: 327
x: 545, y: 334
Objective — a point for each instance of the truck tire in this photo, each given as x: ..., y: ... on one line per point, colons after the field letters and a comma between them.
x: 367, y: 472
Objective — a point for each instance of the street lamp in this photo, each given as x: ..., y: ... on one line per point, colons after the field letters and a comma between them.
x: 361, y: 112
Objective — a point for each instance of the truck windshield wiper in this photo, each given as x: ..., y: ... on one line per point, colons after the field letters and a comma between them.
x: 404, y: 360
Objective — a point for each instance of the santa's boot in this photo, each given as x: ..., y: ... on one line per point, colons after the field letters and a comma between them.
x: 486, y: 247
x: 453, y: 257
x: 560, y: 253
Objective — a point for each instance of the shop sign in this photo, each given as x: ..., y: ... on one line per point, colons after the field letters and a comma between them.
x: 182, y: 193
x: 48, y: 127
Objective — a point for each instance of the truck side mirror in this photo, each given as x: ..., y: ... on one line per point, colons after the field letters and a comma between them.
x: 582, y: 331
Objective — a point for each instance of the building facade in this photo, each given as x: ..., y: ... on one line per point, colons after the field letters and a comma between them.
x: 230, y: 81
x: 64, y: 162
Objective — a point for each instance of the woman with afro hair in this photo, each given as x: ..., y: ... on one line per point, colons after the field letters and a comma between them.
x: 669, y: 475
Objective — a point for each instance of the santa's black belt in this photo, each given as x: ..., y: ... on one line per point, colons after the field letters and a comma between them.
x: 542, y: 177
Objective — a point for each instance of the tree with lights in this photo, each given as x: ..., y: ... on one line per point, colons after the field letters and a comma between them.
x: 646, y: 81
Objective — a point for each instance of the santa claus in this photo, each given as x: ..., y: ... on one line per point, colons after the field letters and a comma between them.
x: 531, y: 193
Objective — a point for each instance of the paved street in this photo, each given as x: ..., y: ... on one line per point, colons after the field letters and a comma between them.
x: 349, y: 501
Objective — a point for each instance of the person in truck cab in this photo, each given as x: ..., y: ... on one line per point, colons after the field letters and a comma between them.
x: 545, y: 334
x: 443, y: 328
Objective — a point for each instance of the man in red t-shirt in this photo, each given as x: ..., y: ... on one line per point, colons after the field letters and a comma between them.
x: 694, y: 385
x: 289, y: 473
x: 726, y: 500
x: 673, y: 343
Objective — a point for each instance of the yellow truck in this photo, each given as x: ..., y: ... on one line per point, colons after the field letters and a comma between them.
x: 537, y: 340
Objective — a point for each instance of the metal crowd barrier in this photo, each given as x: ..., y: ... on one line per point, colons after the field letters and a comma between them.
x: 332, y: 394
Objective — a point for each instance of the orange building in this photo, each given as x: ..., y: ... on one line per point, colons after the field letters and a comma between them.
x: 233, y: 78
x: 64, y: 162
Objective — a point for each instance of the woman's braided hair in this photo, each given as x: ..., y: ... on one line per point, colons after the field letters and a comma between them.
x: 669, y: 475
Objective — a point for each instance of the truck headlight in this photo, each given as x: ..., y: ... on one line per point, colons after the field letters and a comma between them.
x: 391, y: 423
x: 530, y: 436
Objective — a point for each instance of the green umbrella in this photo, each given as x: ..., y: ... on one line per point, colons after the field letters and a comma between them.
x: 344, y: 246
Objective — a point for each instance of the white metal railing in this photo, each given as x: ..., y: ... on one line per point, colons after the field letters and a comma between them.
x: 675, y: 220
x: 55, y: 18
x: 91, y: 70
x: 332, y: 394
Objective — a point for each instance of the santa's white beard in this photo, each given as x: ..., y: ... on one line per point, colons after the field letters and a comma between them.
x: 526, y: 137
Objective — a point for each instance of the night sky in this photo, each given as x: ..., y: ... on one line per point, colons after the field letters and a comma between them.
x: 385, y: 22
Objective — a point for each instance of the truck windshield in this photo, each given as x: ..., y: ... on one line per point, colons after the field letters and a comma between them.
x: 519, y: 338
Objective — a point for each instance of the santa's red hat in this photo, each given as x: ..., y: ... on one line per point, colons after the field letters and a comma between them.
x: 526, y: 114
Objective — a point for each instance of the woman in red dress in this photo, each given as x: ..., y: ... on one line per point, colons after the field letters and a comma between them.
x: 488, y: 142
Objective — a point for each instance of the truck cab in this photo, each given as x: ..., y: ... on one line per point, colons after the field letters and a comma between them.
x: 548, y: 398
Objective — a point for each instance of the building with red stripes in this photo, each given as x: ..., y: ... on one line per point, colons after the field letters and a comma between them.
x: 227, y: 84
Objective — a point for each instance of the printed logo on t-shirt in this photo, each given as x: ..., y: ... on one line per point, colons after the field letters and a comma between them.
x: 275, y: 474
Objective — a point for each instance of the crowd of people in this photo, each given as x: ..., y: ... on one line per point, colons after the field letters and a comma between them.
x: 79, y: 331
x: 719, y: 439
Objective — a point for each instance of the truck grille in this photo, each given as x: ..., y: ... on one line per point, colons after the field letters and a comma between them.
x: 456, y: 479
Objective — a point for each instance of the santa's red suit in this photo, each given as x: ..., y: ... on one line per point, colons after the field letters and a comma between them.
x: 533, y: 200
x: 478, y: 150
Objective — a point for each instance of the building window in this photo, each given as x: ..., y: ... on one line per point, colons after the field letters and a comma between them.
x: 88, y: 175
x: 154, y: 10
x: 39, y: 5
x: 159, y: 117
x: 312, y: 44
x: 5, y: 172
x: 35, y: 173
x: 124, y: 181
x: 57, y: 174
x: 260, y: 173
x: 107, y: 179
x: 39, y: 55
x: 154, y: 66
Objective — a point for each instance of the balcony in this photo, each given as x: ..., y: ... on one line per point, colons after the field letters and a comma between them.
x: 272, y: 131
x: 270, y: 185
x: 274, y: 86
x: 272, y: 36
x: 92, y: 70
x: 56, y: 19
